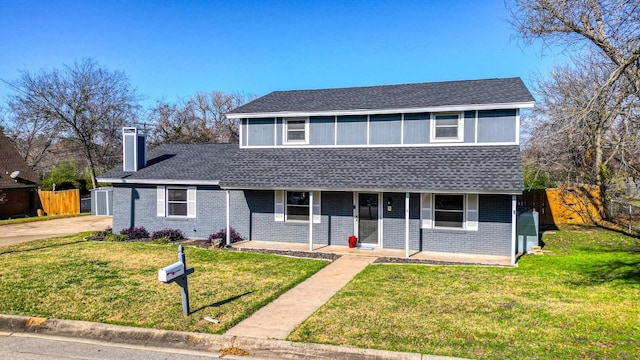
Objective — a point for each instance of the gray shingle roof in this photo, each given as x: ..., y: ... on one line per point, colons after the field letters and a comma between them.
x: 406, y: 96
x: 472, y: 168
x: 11, y: 161
x: 447, y: 168
x: 204, y: 162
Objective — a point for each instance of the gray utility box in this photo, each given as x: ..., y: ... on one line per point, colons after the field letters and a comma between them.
x: 102, y: 201
x: 526, y: 230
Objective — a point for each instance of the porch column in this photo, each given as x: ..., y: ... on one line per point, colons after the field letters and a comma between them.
x: 228, y: 227
x: 513, y: 229
x: 310, y: 220
x: 406, y: 224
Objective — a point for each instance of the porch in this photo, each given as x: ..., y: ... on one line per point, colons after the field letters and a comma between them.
x: 376, y: 252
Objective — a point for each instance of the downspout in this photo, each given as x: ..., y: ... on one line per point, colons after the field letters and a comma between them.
x: 406, y: 225
x: 228, y: 222
x: 513, y: 229
x: 310, y: 220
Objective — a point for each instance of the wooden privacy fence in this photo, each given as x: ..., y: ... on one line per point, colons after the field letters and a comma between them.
x: 575, y: 205
x: 62, y: 202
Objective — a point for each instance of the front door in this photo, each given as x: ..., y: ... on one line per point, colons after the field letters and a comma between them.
x: 367, y: 217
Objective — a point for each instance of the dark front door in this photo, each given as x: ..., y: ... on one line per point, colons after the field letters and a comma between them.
x: 368, y: 218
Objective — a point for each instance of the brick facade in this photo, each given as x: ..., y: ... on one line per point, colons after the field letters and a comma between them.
x: 252, y: 215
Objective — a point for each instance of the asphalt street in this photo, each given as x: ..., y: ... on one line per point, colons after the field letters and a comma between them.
x: 37, y: 347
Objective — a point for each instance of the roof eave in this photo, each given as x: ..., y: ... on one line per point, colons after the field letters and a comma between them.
x: 159, y: 181
x: 359, y: 189
x: 444, y: 108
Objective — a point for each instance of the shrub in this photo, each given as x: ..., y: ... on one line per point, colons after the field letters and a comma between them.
x: 234, y: 236
x: 100, y: 235
x: 162, y: 240
x: 135, y: 233
x: 116, y: 237
x: 172, y: 234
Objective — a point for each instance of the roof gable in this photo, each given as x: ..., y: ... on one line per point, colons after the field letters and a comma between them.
x: 389, y: 97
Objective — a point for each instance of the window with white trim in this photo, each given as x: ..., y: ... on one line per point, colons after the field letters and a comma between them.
x: 448, y: 211
x: 293, y: 206
x: 176, y: 201
x: 447, y: 127
x: 177, y: 204
x: 296, y: 131
x: 297, y: 206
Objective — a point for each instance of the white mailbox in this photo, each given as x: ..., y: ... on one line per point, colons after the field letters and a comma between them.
x: 171, y: 272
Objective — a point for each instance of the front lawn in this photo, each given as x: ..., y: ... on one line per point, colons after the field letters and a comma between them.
x: 116, y: 283
x: 582, y: 300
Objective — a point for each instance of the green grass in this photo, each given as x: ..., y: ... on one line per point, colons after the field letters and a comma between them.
x: 116, y: 283
x: 580, y: 301
x: 38, y: 218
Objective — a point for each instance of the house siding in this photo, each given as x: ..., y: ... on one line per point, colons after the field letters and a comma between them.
x: 385, y: 129
x: 17, y: 202
x: 393, y: 226
x: 136, y: 206
x: 492, y: 238
x: 491, y: 126
x: 322, y: 130
x: 496, y: 126
x: 252, y: 215
x: 261, y: 132
x: 335, y: 227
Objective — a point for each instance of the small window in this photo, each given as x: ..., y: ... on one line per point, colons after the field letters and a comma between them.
x: 449, y: 211
x: 447, y: 127
x: 295, y: 131
x: 177, y: 204
x: 297, y: 206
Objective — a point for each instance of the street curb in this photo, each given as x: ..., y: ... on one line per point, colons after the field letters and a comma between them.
x: 197, y: 341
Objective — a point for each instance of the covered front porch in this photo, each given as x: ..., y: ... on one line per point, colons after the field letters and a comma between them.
x: 454, y: 258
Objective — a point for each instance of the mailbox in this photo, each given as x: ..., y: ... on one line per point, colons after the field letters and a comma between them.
x: 168, y: 273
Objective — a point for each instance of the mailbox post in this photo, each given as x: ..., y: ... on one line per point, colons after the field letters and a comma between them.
x: 178, y: 272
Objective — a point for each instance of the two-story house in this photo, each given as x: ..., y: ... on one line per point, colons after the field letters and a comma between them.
x: 421, y: 167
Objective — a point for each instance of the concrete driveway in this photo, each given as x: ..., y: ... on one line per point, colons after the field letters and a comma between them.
x: 19, y: 233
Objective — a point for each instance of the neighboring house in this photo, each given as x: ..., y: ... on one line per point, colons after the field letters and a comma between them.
x: 426, y: 167
x: 18, y: 182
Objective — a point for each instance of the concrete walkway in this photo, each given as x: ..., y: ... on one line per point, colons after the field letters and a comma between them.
x: 280, y: 317
x: 19, y: 233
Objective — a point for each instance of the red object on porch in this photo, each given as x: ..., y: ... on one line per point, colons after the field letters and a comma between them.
x: 352, y: 241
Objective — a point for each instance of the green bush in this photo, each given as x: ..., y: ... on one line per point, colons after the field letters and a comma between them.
x: 64, y: 175
x: 162, y: 240
x: 116, y: 237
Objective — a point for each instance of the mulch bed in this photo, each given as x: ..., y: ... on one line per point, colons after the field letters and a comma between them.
x: 394, y: 260
x: 300, y: 254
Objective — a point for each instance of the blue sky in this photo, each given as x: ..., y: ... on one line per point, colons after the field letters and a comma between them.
x: 172, y: 49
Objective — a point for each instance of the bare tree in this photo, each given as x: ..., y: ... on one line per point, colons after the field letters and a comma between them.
x: 611, y: 26
x: 83, y: 102
x: 199, y: 119
x: 585, y: 125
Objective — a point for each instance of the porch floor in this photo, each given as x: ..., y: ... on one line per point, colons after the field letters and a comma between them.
x: 377, y: 252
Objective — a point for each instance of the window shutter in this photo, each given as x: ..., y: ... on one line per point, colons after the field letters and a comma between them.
x: 191, y: 202
x: 425, y: 211
x: 316, y: 207
x: 160, y: 207
x: 472, y: 212
x: 279, y: 205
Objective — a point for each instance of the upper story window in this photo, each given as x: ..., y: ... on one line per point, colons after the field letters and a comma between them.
x: 296, y: 131
x: 447, y: 127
